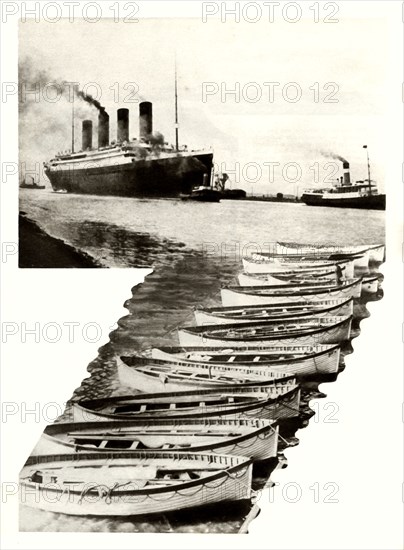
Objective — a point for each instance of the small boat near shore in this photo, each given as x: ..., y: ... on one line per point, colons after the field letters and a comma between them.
x: 370, y: 283
x: 255, y: 438
x: 296, y: 360
x: 150, y: 407
x: 154, y: 375
x: 264, y: 279
x: 221, y: 315
x: 135, y: 483
x: 359, y: 259
x: 259, y: 263
x: 259, y: 401
x: 322, y: 330
x: 288, y: 277
x: 265, y: 294
x: 376, y: 251
x: 246, y: 280
x: 25, y: 184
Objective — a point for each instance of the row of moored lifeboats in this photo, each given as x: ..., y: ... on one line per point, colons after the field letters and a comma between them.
x: 197, y: 416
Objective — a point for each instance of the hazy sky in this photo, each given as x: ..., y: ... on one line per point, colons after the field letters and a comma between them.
x: 351, y: 53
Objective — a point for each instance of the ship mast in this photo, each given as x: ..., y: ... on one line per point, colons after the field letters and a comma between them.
x: 370, y: 184
x: 73, y: 123
x: 176, y: 106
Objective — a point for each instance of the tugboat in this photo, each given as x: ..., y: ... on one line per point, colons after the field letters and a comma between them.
x: 203, y: 193
x: 220, y: 184
x: 31, y: 185
x: 344, y: 194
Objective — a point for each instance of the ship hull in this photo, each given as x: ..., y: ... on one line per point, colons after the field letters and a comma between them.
x: 165, y: 177
x: 372, y: 202
x: 24, y: 186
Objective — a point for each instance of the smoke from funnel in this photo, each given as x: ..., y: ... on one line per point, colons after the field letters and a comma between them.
x: 156, y: 142
x: 89, y: 99
x: 330, y: 154
x: 44, y: 124
x: 35, y: 85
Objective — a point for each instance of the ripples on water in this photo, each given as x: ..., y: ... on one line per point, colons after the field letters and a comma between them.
x: 173, y: 237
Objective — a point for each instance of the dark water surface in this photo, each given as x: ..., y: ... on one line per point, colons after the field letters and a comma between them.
x: 194, y: 248
x: 124, y: 232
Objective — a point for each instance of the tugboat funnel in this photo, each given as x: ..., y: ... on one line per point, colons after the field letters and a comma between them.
x: 347, y: 176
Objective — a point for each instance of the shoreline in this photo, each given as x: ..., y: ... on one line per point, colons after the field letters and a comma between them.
x: 37, y: 249
x: 263, y: 198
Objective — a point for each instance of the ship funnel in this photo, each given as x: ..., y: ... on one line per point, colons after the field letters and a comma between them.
x: 347, y: 176
x: 123, y: 125
x: 103, y: 129
x: 145, y: 119
x: 87, y: 135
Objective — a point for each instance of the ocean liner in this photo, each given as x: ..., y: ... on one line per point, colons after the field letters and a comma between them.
x: 143, y: 167
x: 344, y: 194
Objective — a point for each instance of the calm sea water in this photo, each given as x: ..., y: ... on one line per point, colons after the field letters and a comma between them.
x: 124, y: 232
x: 194, y: 248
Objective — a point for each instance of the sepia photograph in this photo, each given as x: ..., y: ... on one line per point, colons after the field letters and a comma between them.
x: 236, y: 158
